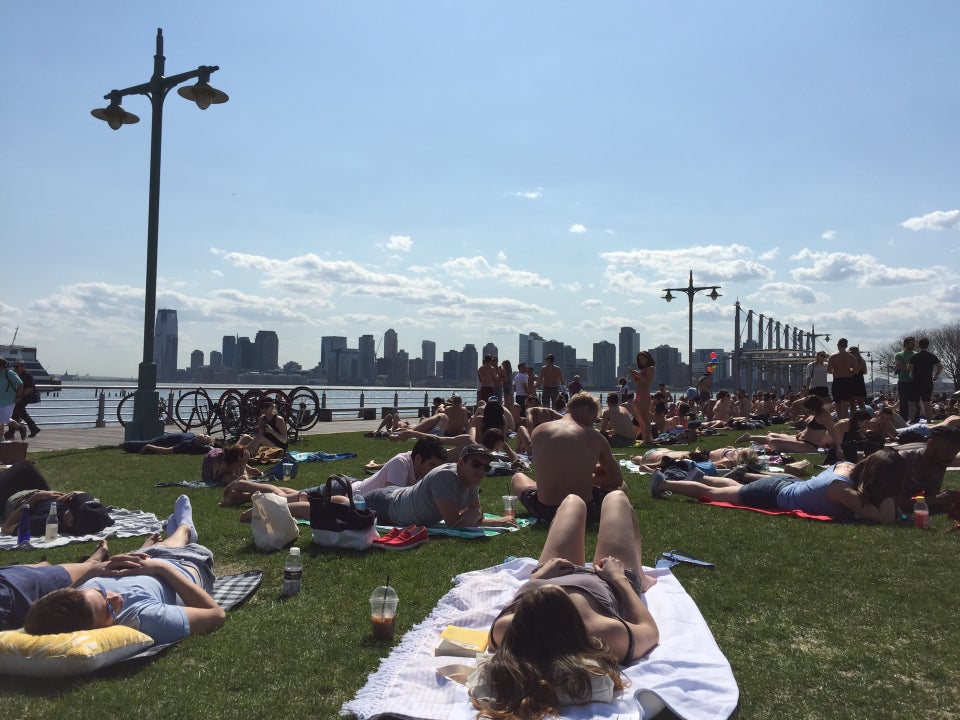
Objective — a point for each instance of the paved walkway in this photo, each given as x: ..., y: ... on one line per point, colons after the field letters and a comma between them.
x: 54, y: 438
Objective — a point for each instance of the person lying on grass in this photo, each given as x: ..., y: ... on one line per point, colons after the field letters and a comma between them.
x: 223, y: 466
x: 867, y: 490
x: 22, y: 585
x: 570, y: 625
x: 725, y: 458
x: 181, y: 443
x: 162, y: 590
x: 23, y: 487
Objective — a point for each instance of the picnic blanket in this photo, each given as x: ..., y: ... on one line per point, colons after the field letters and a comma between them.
x: 795, y: 513
x: 470, y: 532
x: 229, y: 591
x: 318, y: 456
x: 126, y: 523
x: 686, y: 672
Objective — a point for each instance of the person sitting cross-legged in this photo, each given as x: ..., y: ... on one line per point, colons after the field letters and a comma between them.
x: 162, y: 590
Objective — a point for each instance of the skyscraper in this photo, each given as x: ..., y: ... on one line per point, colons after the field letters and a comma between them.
x: 165, y: 340
x: 328, y: 345
x: 428, y: 351
x: 268, y: 349
x: 469, y: 362
x: 491, y: 349
x: 604, y: 364
x: 368, y: 351
x: 531, y: 350
x: 629, y: 347
x: 196, y: 359
x: 390, y: 343
x: 668, y: 366
x: 231, y: 359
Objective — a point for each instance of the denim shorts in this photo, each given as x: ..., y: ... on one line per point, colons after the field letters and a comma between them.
x: 763, y: 493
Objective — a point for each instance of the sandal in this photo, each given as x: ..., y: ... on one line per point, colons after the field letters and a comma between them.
x: 675, y: 557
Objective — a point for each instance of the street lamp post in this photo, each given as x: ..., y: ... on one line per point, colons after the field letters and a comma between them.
x: 690, y: 290
x: 871, y: 361
x: 146, y: 417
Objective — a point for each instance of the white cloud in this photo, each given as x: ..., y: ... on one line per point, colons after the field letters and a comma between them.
x: 865, y: 270
x: 578, y: 229
x: 572, y: 286
x: 591, y: 303
x: 710, y: 264
x: 473, y: 268
x: 829, y: 235
x: 938, y: 220
x: 400, y: 243
x: 529, y: 194
x: 501, y: 256
x: 610, y: 231
x: 769, y: 255
x: 787, y: 293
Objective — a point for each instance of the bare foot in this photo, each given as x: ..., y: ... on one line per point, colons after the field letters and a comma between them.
x: 646, y: 581
x: 154, y: 539
x: 101, y: 553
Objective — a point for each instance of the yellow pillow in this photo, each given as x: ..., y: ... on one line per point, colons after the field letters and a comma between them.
x: 65, y: 654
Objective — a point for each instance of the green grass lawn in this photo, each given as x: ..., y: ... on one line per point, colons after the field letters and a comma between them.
x: 818, y: 620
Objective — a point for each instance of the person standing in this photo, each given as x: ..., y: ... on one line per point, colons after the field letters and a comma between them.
x: 20, y: 413
x: 925, y: 368
x: 551, y: 378
x: 520, y: 387
x: 487, y: 377
x: 905, y: 387
x: 10, y: 389
x: 844, y: 367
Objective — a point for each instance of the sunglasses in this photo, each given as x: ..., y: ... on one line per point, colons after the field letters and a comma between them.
x: 113, y: 613
x: 476, y: 465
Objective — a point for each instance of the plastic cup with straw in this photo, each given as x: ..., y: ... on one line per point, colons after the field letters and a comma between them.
x: 383, y: 611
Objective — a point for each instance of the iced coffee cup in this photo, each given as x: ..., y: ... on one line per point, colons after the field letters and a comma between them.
x: 383, y: 612
x: 510, y: 506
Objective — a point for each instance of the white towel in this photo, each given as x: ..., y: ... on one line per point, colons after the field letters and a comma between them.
x: 687, y: 672
x: 126, y: 523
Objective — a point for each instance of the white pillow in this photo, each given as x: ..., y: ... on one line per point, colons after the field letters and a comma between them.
x: 65, y: 654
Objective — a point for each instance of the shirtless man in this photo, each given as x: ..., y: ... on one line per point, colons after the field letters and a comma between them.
x: 488, y: 376
x: 616, y: 423
x: 571, y: 457
x: 551, y: 378
x: 535, y: 415
x: 458, y: 417
x: 843, y: 366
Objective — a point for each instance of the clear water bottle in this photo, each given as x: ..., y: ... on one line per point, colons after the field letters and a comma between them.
x: 23, y: 529
x: 53, y: 525
x: 359, y: 502
x: 921, y: 513
x: 292, y: 573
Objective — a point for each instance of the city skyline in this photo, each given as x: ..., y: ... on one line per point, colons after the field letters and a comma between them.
x: 467, y: 172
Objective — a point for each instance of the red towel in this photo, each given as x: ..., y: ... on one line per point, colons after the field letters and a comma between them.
x: 796, y: 513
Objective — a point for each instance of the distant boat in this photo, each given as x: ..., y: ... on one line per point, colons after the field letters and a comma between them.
x: 28, y: 355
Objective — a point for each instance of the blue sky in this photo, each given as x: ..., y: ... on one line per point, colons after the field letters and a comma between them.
x: 463, y: 172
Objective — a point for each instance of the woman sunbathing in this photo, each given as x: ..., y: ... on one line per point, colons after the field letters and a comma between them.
x: 224, y: 465
x: 535, y: 667
x: 867, y: 489
x: 723, y: 458
x: 818, y: 432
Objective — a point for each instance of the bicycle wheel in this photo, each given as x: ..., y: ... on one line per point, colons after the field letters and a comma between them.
x: 194, y: 410
x: 280, y: 401
x: 304, y: 408
x: 228, y: 410
x: 125, y: 410
x: 250, y: 411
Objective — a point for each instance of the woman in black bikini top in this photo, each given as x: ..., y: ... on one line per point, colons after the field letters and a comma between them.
x: 571, y: 622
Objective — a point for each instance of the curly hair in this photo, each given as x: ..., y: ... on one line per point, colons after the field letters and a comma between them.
x: 60, y: 611
x: 535, y: 660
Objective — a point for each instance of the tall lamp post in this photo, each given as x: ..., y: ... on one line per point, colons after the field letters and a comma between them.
x: 871, y: 361
x: 691, y: 290
x: 146, y: 402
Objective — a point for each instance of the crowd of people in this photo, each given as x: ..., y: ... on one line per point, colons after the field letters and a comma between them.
x: 164, y: 587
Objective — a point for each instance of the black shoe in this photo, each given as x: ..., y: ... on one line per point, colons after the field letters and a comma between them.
x: 34, y: 433
x: 23, y: 433
x: 8, y: 435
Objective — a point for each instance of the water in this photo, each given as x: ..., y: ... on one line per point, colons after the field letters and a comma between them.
x: 76, y: 404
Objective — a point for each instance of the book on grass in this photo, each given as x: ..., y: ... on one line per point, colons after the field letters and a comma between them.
x: 461, y: 641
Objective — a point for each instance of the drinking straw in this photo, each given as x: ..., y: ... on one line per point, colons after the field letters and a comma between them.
x: 383, y: 603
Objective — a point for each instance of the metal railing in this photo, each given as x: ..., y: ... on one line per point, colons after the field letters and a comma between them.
x: 93, y: 405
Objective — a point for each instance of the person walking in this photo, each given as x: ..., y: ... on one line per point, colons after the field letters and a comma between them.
x: 20, y: 413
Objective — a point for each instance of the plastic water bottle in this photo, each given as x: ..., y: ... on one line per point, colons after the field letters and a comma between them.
x: 921, y: 513
x: 23, y: 529
x: 358, y: 502
x: 53, y: 525
x: 292, y: 573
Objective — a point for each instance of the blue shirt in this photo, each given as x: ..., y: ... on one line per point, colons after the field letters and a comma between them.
x: 810, y: 496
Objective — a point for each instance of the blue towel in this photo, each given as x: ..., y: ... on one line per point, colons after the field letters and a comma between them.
x: 320, y: 456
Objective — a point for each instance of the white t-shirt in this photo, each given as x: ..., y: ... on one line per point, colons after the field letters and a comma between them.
x: 398, y: 471
x: 520, y: 384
